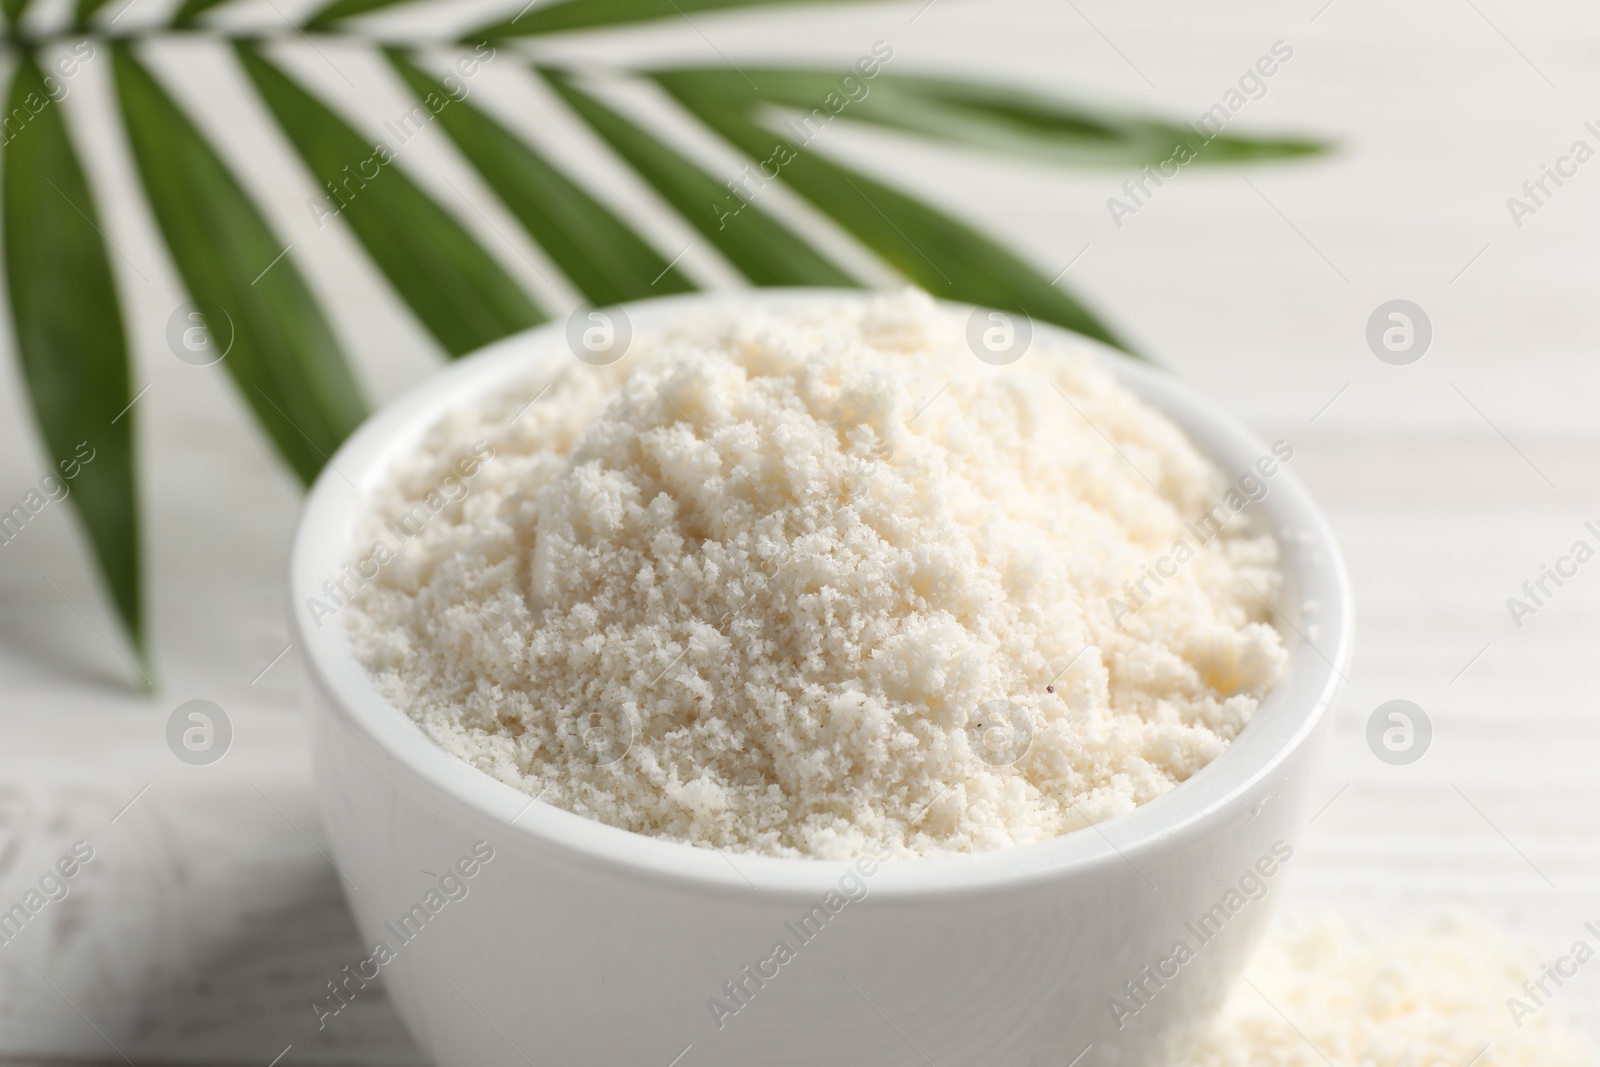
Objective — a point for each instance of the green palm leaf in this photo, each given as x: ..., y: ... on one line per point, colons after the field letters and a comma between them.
x: 539, y: 17
x: 344, y: 9
x: 283, y: 356
x: 189, y: 11
x: 85, y: 10
x: 605, y: 259
x: 458, y: 291
x: 990, y: 117
x: 946, y: 257
x: 763, y: 249
x: 75, y: 362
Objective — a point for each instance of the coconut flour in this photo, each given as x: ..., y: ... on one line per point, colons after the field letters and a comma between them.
x: 1324, y: 990
x: 817, y: 581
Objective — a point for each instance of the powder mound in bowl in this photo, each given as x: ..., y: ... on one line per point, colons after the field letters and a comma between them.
x: 814, y: 581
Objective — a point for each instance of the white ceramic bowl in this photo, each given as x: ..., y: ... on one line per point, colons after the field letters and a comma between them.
x: 583, y: 944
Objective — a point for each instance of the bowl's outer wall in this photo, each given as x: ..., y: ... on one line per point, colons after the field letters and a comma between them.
x: 580, y: 945
x: 575, y: 963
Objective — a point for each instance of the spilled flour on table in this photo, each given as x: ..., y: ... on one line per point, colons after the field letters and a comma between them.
x: 1323, y: 990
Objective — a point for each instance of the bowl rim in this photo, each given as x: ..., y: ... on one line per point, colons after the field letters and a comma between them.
x: 1319, y: 644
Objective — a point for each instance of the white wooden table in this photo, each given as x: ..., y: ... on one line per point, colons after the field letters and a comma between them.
x: 208, y: 916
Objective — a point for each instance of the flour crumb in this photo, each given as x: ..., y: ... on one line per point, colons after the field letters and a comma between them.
x: 1324, y: 990
x: 818, y: 581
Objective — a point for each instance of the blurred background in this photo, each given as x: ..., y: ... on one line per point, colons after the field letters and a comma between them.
x: 208, y: 915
